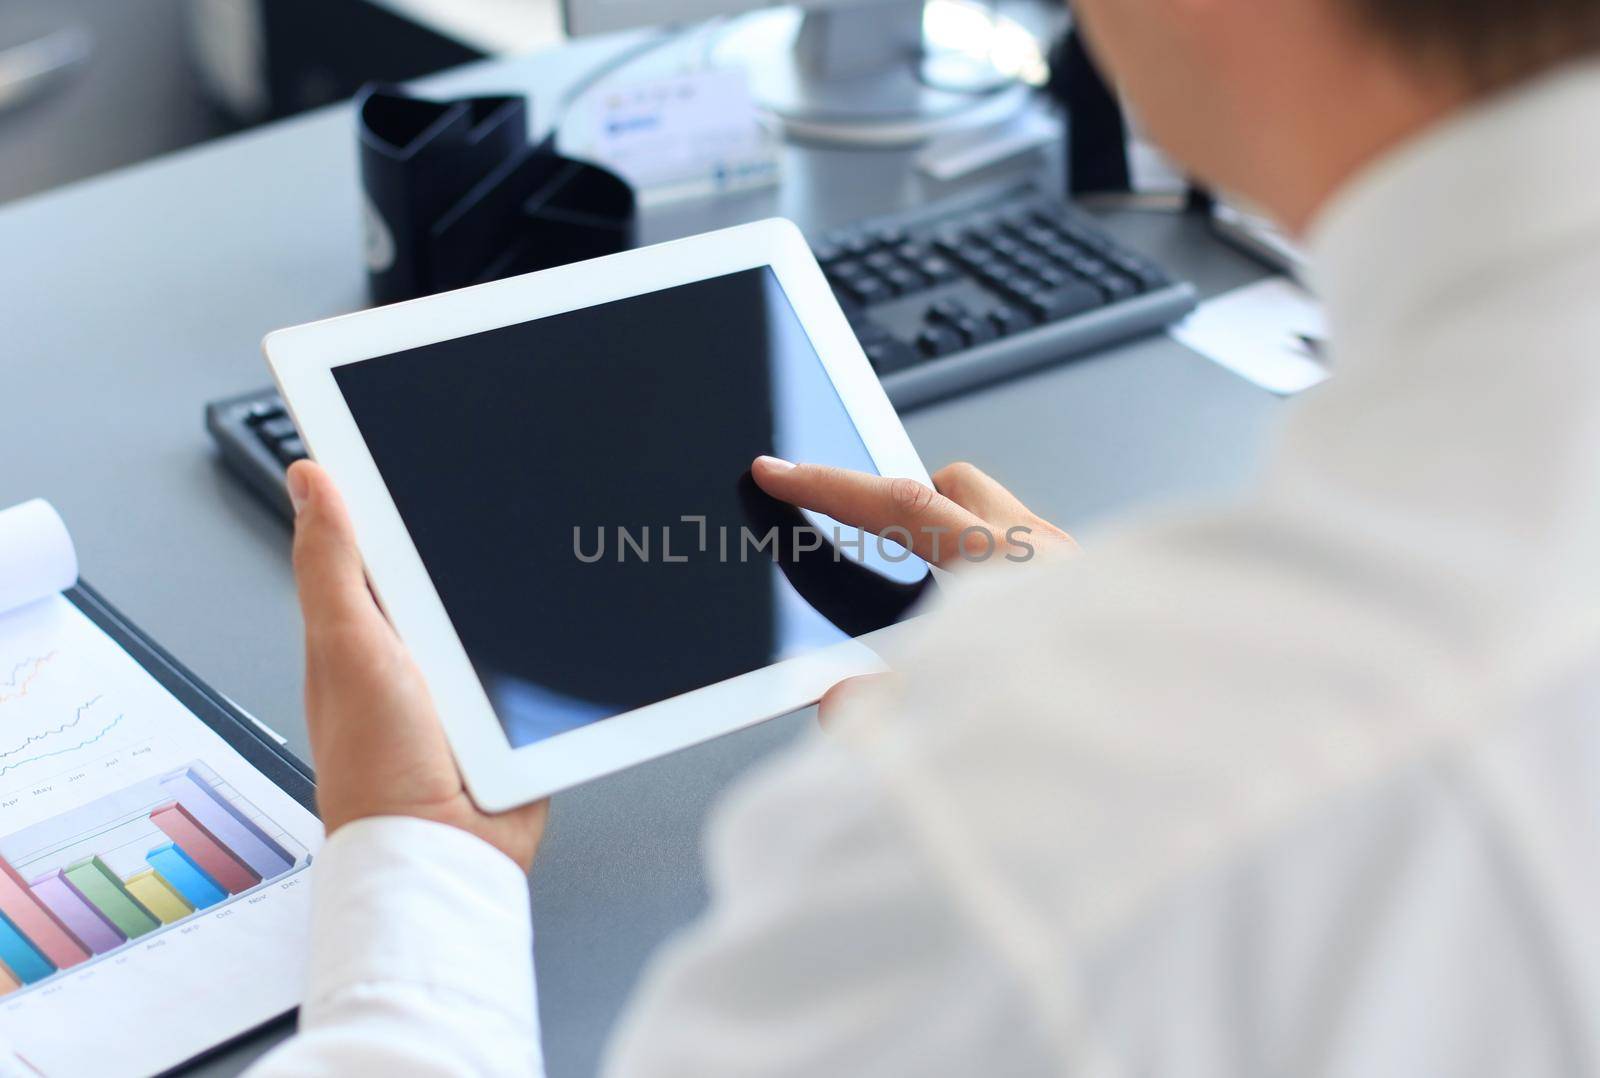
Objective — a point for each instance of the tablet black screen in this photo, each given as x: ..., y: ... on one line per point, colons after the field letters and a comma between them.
x: 545, y: 471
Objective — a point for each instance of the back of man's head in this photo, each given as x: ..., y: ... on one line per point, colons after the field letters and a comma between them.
x: 1283, y: 101
x: 1485, y: 43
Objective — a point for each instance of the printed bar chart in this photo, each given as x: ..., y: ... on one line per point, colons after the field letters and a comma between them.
x: 96, y: 882
x: 191, y: 881
x: 31, y: 917
x: 219, y: 862
x: 20, y: 957
x: 82, y: 917
x: 158, y: 896
x: 231, y: 827
x: 110, y: 872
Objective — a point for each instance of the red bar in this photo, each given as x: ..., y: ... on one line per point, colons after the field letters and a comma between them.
x: 219, y: 862
x: 35, y: 920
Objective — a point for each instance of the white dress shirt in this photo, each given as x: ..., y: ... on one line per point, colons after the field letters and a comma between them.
x: 1305, y: 785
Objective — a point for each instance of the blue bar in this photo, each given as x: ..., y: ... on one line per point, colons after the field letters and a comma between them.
x: 187, y: 878
x: 20, y: 956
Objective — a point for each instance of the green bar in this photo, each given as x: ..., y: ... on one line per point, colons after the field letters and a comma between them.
x: 102, y: 887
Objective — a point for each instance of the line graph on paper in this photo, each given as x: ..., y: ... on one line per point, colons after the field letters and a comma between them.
x: 22, y: 677
x: 67, y: 737
x: 59, y: 711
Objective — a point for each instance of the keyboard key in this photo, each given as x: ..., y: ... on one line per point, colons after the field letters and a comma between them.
x: 938, y: 270
x: 1019, y: 287
x: 905, y: 281
x: 1008, y: 320
x: 947, y: 310
x: 1148, y: 277
x: 973, y: 255
x: 882, y: 261
x: 261, y: 411
x: 290, y: 450
x: 974, y: 331
x: 1039, y: 237
x: 1064, y: 302
x: 995, y: 274
x: 1081, y: 236
x: 1032, y: 262
x: 868, y: 330
x: 938, y: 341
x: 1114, y: 285
x: 844, y: 269
x: 867, y: 290
x: 1062, y: 252
x: 275, y: 430
x: 890, y: 355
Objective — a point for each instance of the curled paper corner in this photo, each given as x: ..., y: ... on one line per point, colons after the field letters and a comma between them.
x: 37, y: 558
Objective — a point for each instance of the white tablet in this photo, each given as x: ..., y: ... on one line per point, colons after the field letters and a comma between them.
x: 549, y: 478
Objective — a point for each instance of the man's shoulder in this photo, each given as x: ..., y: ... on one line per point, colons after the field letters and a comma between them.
x: 1110, y: 726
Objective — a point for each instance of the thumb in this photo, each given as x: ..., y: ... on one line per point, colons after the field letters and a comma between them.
x: 848, y: 694
x: 327, y: 565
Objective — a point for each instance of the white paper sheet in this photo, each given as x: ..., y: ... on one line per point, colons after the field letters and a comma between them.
x: 1260, y: 333
x: 36, y: 554
x: 92, y: 749
x: 684, y: 136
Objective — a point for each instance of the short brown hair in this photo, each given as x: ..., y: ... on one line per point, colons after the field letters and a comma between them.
x: 1489, y: 42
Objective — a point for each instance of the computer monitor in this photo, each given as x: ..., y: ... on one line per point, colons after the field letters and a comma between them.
x: 853, y: 71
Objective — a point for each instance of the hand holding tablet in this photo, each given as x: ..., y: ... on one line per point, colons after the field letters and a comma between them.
x: 548, y: 478
x: 358, y: 670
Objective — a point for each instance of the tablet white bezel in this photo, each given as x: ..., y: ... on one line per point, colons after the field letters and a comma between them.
x: 303, y: 359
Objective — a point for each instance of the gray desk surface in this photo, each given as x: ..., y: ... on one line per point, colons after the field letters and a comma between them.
x: 128, y: 301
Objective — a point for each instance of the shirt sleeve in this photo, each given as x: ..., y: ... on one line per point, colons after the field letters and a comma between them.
x: 421, y: 958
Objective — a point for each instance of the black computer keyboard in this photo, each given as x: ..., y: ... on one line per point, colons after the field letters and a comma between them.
x: 944, y: 299
x: 961, y: 294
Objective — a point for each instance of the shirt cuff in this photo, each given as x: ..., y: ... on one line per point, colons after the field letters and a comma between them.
x: 401, y: 900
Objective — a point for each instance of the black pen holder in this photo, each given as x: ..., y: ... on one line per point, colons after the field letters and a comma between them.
x: 457, y: 195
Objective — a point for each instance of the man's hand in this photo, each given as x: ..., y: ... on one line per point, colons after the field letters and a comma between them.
x: 965, y: 516
x: 375, y: 736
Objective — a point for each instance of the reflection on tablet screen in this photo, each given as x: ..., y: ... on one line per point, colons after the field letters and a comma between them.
x: 578, y: 490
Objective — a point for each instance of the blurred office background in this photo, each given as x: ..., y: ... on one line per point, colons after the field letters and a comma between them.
x: 91, y: 85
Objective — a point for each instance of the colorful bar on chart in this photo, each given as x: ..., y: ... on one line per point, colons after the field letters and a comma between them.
x: 8, y: 982
x: 231, y: 827
x: 158, y: 896
x: 188, y: 878
x: 82, y: 917
x: 34, y: 919
x: 218, y: 862
x: 95, y: 880
x: 20, y: 956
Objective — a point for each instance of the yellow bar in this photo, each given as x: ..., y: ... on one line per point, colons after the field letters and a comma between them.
x: 158, y: 896
x: 8, y: 983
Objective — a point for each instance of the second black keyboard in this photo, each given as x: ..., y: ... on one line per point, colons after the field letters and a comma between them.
x: 960, y: 294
